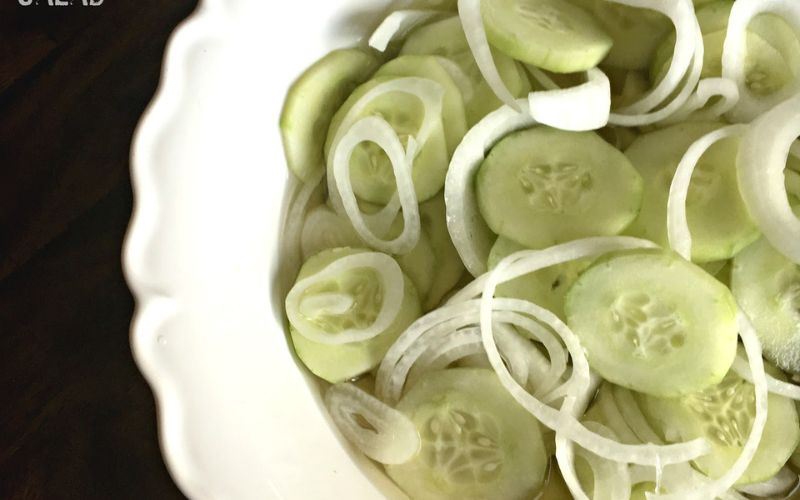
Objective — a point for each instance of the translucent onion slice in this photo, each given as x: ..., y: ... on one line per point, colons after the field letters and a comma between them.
x: 567, y: 252
x: 775, y: 386
x: 392, y: 285
x: 446, y: 350
x: 762, y: 159
x: 450, y: 315
x: 561, y: 421
x: 431, y: 94
x: 565, y: 449
x: 734, y: 53
x: 677, y: 477
x: 707, y: 89
x: 397, y: 25
x: 392, y: 438
x: 634, y: 417
x: 441, y: 335
x: 680, y: 239
x: 459, y: 76
x: 583, y: 107
x: 627, y: 118
x: 293, y: 223
x: 396, y: 379
x: 471, y: 20
x: 378, y: 130
x: 681, y: 13
x: 795, y: 149
x: 612, y: 480
x: 718, y: 487
x: 779, y: 484
x: 556, y: 353
x: 471, y: 236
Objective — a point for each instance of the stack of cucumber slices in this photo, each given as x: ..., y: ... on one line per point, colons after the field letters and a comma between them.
x: 551, y: 248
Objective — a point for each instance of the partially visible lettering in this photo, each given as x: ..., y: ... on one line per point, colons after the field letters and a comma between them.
x: 61, y: 3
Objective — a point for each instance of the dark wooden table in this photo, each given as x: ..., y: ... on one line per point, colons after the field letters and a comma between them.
x: 77, y: 420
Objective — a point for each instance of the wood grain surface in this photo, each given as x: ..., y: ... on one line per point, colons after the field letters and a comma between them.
x: 77, y: 420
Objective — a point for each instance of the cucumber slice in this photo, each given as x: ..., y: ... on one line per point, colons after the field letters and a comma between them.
x: 773, y: 29
x: 653, y: 322
x: 637, y: 33
x: 766, y: 71
x: 370, y: 169
x: 543, y: 186
x: 455, y: 121
x: 446, y: 38
x: 337, y: 363
x: 767, y: 286
x: 310, y: 104
x: 718, y: 219
x: 324, y: 229
x: 546, y: 287
x: 723, y: 415
x: 477, y: 442
x: 448, y: 267
x: 551, y: 34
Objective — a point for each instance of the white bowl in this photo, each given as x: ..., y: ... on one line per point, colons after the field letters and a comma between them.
x: 239, y: 418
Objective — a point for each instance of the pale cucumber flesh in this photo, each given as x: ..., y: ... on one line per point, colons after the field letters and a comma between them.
x: 477, y: 442
x: 446, y: 39
x: 767, y: 286
x: 546, y: 287
x: 653, y: 322
x: 718, y: 218
x: 543, y: 186
x: 370, y: 169
x: 339, y: 362
x: 310, y: 104
x: 550, y: 34
x: 723, y: 415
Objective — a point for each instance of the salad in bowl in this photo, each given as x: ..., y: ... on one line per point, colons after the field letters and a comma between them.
x: 551, y: 248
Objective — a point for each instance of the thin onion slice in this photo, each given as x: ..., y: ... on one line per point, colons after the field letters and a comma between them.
x: 721, y: 485
x: 777, y: 485
x: 471, y: 20
x: 680, y: 238
x: 385, y: 386
x: 431, y: 94
x: 583, y: 107
x: 560, y: 421
x: 377, y: 130
x: 300, y: 196
x: 565, y: 448
x: 762, y: 159
x: 633, y: 416
x: 612, y: 480
x: 681, y: 13
x: 391, y: 284
x: 471, y: 236
x: 393, y: 438
x: 708, y: 88
x: 775, y: 386
x: 734, y: 53
x: 446, y: 350
x: 397, y: 25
